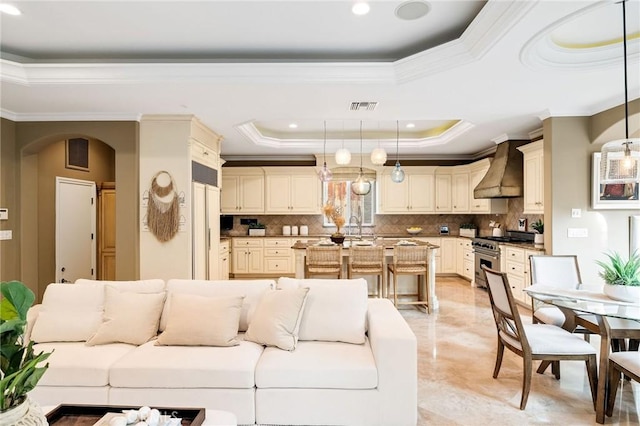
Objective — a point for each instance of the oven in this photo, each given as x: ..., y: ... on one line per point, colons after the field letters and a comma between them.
x: 486, y: 252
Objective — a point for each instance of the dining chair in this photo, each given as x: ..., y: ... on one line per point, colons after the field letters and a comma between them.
x: 533, y: 342
x: 323, y: 260
x: 367, y: 260
x: 627, y: 363
x: 410, y: 260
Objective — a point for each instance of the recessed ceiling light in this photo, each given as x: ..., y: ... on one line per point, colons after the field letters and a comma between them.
x: 9, y: 9
x: 410, y: 125
x: 293, y: 126
x: 360, y: 8
x: 412, y: 9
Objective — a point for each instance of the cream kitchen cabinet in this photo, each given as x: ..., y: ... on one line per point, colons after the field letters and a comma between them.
x: 460, y: 189
x: 247, y: 256
x: 292, y: 190
x: 242, y: 190
x: 414, y: 195
x: 448, y: 255
x: 278, y: 256
x: 533, y: 177
x: 477, y: 171
x: 224, y: 266
x: 443, y: 190
x: 514, y: 264
x: 464, y: 258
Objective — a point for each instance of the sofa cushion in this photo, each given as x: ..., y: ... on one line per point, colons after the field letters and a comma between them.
x: 137, y: 286
x: 128, y: 317
x: 252, y: 291
x: 276, y: 320
x: 335, y: 310
x: 152, y: 366
x: 76, y: 364
x: 318, y: 365
x: 69, y: 313
x: 202, y: 321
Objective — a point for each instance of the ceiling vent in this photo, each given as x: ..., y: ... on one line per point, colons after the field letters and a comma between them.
x: 363, y: 106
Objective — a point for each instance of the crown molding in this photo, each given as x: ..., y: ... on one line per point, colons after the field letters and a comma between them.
x: 79, y: 116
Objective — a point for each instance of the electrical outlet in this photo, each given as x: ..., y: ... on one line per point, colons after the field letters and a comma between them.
x: 6, y: 235
x: 576, y: 212
x: 577, y: 232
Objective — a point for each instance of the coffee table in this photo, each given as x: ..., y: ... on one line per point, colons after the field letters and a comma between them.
x: 88, y: 415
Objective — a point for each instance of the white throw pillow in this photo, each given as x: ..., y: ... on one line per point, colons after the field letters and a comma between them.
x: 277, y: 318
x: 69, y: 313
x: 202, y: 321
x: 335, y: 310
x: 128, y: 317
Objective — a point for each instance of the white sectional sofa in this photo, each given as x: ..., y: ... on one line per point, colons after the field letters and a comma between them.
x: 354, y: 361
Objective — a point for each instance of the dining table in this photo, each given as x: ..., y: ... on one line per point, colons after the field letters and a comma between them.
x: 592, y: 300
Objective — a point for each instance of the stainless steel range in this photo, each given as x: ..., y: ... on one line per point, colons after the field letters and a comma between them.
x: 487, y: 251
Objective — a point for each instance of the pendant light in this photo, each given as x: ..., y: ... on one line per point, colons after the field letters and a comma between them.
x: 397, y: 175
x: 379, y: 155
x: 343, y: 156
x: 620, y: 159
x: 361, y: 186
x: 325, y: 174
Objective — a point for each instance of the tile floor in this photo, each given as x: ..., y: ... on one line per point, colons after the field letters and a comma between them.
x: 456, y: 355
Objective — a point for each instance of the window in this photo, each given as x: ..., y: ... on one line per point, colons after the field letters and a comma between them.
x: 338, y: 193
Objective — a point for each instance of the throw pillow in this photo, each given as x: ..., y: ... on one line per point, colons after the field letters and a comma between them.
x: 128, y: 317
x: 68, y: 313
x: 276, y: 319
x: 202, y: 321
x: 335, y: 310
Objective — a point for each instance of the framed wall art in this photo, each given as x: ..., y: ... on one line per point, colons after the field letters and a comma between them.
x: 621, y: 196
x: 77, y: 154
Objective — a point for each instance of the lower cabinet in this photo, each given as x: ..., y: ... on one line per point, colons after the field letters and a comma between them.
x: 224, y: 265
x: 262, y: 256
x: 278, y: 256
x: 448, y: 255
x: 515, y: 265
x: 464, y: 258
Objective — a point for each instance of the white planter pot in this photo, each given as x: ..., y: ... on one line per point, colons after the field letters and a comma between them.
x: 471, y: 233
x: 538, y: 239
x: 623, y: 293
x: 26, y: 414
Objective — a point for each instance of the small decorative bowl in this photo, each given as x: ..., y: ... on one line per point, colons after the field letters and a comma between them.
x: 414, y: 231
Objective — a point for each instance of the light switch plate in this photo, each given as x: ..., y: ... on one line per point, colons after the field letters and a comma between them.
x: 576, y: 212
x: 6, y: 235
x: 4, y: 213
x: 577, y: 232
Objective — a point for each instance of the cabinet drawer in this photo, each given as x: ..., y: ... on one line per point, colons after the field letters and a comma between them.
x: 247, y: 242
x: 468, y: 270
x: 515, y: 268
x: 468, y: 255
x: 224, y: 247
x: 276, y: 265
x: 515, y: 254
x: 277, y: 242
x: 277, y: 252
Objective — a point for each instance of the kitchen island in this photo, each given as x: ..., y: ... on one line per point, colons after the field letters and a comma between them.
x: 300, y: 247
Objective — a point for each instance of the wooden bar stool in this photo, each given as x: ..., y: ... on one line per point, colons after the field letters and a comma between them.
x: 367, y: 260
x: 410, y: 260
x: 323, y: 260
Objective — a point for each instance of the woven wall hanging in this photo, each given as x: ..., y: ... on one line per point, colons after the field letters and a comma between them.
x: 163, y: 207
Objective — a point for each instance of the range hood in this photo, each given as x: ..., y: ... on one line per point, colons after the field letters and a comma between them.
x: 504, y: 177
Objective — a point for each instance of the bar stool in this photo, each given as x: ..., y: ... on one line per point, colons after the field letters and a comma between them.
x: 323, y: 260
x: 409, y: 260
x: 367, y: 260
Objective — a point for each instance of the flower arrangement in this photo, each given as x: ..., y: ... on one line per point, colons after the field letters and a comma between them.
x: 334, y: 214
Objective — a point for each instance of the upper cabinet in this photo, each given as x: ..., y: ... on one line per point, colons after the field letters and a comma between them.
x: 477, y: 171
x: 415, y: 194
x: 460, y: 189
x: 242, y: 190
x: 292, y: 190
x: 443, y: 190
x: 533, y: 177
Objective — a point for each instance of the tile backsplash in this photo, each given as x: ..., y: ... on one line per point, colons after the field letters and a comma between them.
x: 394, y: 224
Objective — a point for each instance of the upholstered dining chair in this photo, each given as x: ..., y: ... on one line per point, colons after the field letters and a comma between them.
x: 323, y: 260
x: 533, y: 341
x: 627, y: 363
x: 409, y: 260
x: 367, y: 260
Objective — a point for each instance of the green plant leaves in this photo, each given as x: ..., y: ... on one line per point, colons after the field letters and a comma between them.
x: 17, y: 299
x: 617, y: 271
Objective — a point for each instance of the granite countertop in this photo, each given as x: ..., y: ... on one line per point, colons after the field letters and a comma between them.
x: 386, y: 243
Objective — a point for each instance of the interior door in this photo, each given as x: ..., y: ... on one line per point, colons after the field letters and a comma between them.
x: 75, y: 229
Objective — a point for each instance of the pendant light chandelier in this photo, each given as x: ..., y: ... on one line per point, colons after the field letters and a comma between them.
x: 379, y: 155
x: 361, y: 186
x: 620, y: 159
x: 325, y: 174
x: 397, y: 175
x: 343, y: 156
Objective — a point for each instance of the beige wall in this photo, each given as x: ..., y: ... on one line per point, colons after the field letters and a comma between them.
x: 9, y: 184
x: 29, y: 138
x: 51, y: 163
x: 568, y: 149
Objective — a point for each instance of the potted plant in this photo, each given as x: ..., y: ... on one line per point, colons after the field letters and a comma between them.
x: 468, y: 230
x: 334, y: 214
x: 622, y: 278
x: 20, y: 367
x: 257, y: 229
x: 538, y: 226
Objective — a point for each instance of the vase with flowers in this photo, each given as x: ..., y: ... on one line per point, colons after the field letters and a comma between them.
x: 334, y: 215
